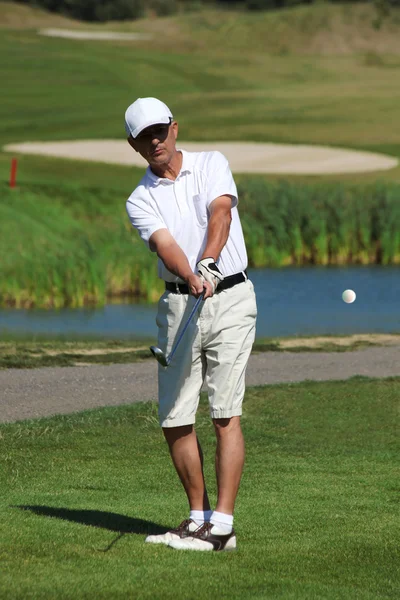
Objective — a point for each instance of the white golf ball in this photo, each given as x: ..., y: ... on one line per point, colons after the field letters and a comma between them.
x: 349, y: 296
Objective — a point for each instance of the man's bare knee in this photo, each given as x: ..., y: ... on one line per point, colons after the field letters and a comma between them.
x: 172, y: 434
x: 225, y: 426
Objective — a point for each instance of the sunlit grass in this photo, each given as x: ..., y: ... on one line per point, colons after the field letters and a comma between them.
x: 248, y: 88
x: 316, y: 515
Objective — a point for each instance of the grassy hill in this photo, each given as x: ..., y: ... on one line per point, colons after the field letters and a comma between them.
x: 322, y: 28
x: 21, y: 16
x: 319, y: 74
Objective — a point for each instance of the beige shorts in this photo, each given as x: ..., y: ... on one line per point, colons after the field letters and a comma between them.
x: 215, y: 348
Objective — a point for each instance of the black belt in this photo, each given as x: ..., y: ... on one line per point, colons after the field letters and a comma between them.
x: 225, y: 284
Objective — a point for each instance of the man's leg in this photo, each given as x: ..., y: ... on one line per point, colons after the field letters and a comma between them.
x: 187, y: 457
x: 231, y: 331
x: 219, y: 534
x: 229, y: 461
x: 179, y: 389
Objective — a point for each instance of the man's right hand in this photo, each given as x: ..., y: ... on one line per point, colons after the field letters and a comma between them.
x: 196, y: 286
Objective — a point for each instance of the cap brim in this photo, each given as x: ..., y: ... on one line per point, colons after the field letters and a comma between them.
x: 160, y: 121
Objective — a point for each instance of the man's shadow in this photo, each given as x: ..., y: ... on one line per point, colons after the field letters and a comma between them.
x: 97, y: 518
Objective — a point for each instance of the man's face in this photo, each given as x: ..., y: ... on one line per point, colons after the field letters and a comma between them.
x: 156, y: 143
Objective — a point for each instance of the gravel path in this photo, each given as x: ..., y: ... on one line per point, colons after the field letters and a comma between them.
x: 27, y: 393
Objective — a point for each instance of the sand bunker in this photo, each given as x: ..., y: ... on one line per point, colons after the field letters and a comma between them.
x: 244, y: 157
x: 74, y: 34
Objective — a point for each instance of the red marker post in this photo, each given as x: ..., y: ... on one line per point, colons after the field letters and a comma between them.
x: 13, y: 172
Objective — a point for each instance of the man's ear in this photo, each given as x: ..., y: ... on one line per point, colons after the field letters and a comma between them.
x: 174, y: 126
x: 132, y: 143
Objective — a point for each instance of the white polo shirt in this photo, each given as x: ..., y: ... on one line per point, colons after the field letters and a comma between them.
x: 181, y: 206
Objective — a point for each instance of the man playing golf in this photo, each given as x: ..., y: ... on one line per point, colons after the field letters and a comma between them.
x: 185, y: 210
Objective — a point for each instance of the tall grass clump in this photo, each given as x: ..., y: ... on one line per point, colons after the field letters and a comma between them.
x: 321, y: 224
x: 69, y: 247
x: 73, y: 246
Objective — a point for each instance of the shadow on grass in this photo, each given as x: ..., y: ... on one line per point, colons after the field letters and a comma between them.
x: 97, y: 518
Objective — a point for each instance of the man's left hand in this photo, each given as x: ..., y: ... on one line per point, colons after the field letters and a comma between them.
x: 210, y: 272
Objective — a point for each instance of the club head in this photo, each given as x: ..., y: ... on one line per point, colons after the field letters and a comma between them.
x: 159, y: 355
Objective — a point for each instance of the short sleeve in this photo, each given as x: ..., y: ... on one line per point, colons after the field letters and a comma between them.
x: 220, y: 179
x: 143, y: 218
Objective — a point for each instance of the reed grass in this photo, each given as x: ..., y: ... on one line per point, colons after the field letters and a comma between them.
x: 71, y: 250
x: 320, y: 224
x: 74, y: 246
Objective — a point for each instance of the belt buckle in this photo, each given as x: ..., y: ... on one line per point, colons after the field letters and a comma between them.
x: 178, y: 291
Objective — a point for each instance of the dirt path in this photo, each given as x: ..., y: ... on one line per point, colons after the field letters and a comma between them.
x: 348, y: 340
x: 42, y: 392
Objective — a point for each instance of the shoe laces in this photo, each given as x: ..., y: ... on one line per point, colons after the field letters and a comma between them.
x: 203, y: 531
x: 183, y: 526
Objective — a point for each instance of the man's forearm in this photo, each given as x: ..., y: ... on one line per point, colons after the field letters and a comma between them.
x: 175, y: 260
x: 217, y: 236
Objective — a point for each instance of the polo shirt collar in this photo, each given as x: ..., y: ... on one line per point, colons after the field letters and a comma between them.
x: 187, y: 166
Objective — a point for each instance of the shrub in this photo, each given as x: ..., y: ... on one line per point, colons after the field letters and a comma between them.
x: 162, y: 8
x: 93, y: 10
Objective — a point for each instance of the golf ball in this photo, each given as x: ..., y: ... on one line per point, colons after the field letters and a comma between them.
x: 349, y: 296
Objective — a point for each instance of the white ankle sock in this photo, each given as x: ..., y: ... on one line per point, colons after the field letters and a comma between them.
x: 199, y: 516
x: 223, y: 523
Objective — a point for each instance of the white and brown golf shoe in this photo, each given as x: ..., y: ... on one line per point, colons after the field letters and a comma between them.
x: 204, y: 539
x: 186, y: 528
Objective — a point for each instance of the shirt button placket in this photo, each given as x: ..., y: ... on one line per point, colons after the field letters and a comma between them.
x: 176, y: 184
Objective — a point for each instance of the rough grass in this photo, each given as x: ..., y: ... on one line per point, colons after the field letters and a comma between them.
x: 76, y: 246
x: 19, y: 16
x: 316, y: 516
x: 24, y: 354
x: 29, y: 352
x: 321, y: 28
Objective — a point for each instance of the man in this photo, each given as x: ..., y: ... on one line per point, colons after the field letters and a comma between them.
x: 185, y: 210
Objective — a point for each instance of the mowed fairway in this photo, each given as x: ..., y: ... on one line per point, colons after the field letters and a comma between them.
x: 317, y: 513
x: 226, y: 76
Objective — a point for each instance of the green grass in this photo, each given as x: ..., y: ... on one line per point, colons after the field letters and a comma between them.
x: 76, y: 247
x: 342, y: 91
x: 316, y: 516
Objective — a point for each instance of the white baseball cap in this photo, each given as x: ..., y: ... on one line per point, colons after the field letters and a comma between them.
x: 145, y: 112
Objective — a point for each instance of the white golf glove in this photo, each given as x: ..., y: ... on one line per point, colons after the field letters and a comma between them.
x: 209, y: 272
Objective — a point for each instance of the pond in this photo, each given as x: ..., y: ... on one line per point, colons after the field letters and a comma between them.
x: 291, y: 301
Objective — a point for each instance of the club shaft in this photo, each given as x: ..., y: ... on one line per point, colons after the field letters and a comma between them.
x: 190, y: 317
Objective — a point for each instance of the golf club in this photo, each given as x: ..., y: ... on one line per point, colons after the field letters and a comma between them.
x: 159, y: 354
